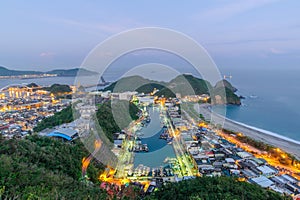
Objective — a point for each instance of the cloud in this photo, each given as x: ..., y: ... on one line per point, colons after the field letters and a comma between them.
x: 47, y: 54
x: 276, y: 51
x: 229, y: 10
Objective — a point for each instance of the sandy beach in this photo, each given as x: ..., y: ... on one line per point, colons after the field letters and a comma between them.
x: 287, y: 144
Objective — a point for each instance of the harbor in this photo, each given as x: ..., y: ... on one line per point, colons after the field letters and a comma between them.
x: 150, y: 134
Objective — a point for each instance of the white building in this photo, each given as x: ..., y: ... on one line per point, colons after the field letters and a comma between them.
x: 127, y: 95
x: 146, y: 100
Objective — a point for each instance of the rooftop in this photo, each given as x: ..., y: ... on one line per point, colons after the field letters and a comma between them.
x: 262, y: 181
x: 65, y: 133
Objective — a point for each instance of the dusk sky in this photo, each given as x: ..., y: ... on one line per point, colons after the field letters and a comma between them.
x: 40, y: 35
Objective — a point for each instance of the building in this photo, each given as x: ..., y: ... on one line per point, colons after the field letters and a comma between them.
x: 127, y: 95
x: 244, y: 155
x: 262, y: 181
x: 146, y: 100
x: 123, y: 95
x: 266, y: 170
x: 64, y: 133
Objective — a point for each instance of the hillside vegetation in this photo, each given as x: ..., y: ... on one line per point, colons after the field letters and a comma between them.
x: 44, y: 168
x: 106, y: 117
x: 183, y: 84
x: 58, y: 88
x: 213, y: 188
x: 64, y: 116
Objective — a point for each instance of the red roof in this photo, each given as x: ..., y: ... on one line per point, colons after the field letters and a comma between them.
x: 4, y: 127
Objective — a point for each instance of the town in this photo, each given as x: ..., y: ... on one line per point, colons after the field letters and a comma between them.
x: 200, y: 149
x: 22, y: 107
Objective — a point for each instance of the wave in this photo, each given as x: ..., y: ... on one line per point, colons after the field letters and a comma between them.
x: 264, y: 131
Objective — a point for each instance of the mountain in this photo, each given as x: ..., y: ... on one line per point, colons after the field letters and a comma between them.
x: 226, y: 84
x: 218, y: 93
x: 60, y: 72
x: 185, y: 85
x: 71, y: 72
x: 7, y: 72
x: 222, y: 93
x: 228, y: 98
x: 134, y: 83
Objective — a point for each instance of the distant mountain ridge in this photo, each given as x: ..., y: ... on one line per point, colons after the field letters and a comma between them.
x: 60, y: 72
x: 223, y: 92
x: 7, y: 72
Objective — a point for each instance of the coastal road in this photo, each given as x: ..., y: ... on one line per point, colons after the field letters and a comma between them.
x: 288, y: 145
x: 180, y: 154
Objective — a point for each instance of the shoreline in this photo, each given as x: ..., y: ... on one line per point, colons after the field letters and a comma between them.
x: 287, y: 144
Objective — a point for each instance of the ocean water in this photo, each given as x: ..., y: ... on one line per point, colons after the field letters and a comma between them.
x: 40, y: 81
x: 272, y: 100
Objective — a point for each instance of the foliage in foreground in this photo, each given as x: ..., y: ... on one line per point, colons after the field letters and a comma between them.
x: 44, y: 168
x: 213, y: 188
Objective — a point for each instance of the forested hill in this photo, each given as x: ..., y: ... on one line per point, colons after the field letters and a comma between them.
x: 7, y: 72
x: 45, y: 168
x: 104, y: 116
x: 215, y: 188
x: 59, y: 72
x: 184, y: 84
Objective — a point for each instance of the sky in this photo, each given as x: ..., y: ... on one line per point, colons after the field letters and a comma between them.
x: 42, y: 35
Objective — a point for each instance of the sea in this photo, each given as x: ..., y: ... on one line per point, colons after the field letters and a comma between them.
x: 271, y: 97
x: 271, y: 100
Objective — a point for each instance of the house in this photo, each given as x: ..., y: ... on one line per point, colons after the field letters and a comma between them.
x: 262, y: 181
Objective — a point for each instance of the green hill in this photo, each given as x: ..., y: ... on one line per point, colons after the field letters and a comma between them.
x: 231, y: 97
x: 226, y: 84
x: 183, y: 84
x: 215, y: 188
x: 44, y: 168
x: 149, y: 87
x: 107, y: 119
x: 64, y: 116
x: 133, y: 83
x: 58, y: 88
x: 104, y: 116
x: 189, y: 85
